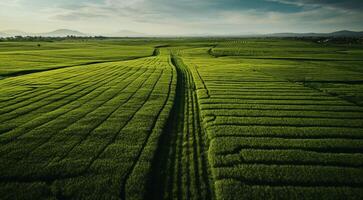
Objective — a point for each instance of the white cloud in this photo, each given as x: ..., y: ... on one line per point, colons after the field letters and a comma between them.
x: 10, y: 3
x: 176, y: 17
x: 346, y: 5
x: 315, y: 20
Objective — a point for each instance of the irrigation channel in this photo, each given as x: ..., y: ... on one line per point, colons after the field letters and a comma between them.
x: 181, y: 168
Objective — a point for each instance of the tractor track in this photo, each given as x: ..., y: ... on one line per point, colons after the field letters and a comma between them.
x: 180, y: 167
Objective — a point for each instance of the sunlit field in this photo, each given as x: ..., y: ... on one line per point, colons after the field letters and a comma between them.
x: 194, y: 118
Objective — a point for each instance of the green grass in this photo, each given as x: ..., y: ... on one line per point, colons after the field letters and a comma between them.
x: 181, y: 119
x: 275, y: 135
x: 91, y: 125
x: 25, y: 57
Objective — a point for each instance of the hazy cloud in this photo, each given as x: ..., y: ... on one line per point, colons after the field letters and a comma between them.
x: 185, y: 16
x: 353, y: 5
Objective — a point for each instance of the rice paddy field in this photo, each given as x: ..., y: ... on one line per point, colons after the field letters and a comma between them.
x: 195, y: 118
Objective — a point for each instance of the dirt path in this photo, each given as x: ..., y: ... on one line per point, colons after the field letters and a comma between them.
x: 181, y: 168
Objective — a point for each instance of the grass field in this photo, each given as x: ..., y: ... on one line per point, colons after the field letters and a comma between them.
x: 39, y: 56
x: 181, y: 119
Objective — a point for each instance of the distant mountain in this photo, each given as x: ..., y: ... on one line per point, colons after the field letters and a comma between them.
x: 13, y: 33
x: 126, y: 33
x: 62, y: 33
x: 346, y: 33
x: 343, y: 33
x: 56, y: 33
x: 3, y: 35
x: 129, y: 33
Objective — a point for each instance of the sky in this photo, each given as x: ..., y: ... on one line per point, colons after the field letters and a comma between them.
x: 182, y: 17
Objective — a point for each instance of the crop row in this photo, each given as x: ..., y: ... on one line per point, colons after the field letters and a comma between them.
x: 86, y: 133
x: 268, y: 133
x: 19, y: 58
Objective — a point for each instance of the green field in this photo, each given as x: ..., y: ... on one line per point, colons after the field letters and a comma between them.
x: 191, y: 118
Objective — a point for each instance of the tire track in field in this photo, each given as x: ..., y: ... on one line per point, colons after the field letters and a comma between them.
x: 123, y: 192
x: 202, y: 168
x: 138, y: 171
x: 180, y: 167
x: 203, y: 82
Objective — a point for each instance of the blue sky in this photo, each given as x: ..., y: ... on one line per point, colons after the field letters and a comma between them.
x: 179, y: 17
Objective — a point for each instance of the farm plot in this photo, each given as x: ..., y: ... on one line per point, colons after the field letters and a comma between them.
x: 341, y: 79
x: 287, y: 49
x: 18, y: 58
x: 200, y: 119
x: 335, y: 69
x: 83, y: 132
x: 275, y: 139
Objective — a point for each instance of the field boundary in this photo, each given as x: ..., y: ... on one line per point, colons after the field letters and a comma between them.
x: 26, y: 72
